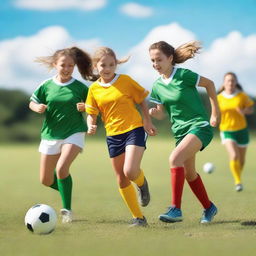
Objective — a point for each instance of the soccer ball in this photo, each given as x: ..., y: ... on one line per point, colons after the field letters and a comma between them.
x: 41, y: 219
x: 208, y: 167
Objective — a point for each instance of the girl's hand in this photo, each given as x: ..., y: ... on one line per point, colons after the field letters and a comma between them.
x: 215, y: 120
x: 150, y: 128
x: 92, y: 129
x: 40, y: 108
x: 80, y: 107
x: 153, y: 111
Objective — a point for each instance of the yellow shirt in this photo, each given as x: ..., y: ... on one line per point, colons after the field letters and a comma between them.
x: 231, y: 118
x: 115, y: 102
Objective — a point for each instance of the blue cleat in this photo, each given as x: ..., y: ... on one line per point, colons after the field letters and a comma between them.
x: 172, y: 215
x: 208, y: 214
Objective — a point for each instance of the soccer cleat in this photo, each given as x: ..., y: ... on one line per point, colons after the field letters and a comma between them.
x: 67, y: 215
x: 139, y: 222
x: 172, y: 215
x: 239, y: 187
x: 208, y: 214
x: 144, y: 196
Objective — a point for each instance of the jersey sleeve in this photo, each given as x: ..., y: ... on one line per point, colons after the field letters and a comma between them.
x: 138, y: 92
x: 190, y: 78
x: 39, y: 95
x: 91, y: 106
x: 154, y: 97
x: 247, y: 101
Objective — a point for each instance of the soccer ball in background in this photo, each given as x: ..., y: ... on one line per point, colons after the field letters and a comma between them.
x: 208, y: 167
x: 41, y: 219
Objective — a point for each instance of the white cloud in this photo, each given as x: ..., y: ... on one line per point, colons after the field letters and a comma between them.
x: 234, y: 52
x: 17, y: 56
x: 50, y: 5
x: 136, y: 10
x: 231, y: 53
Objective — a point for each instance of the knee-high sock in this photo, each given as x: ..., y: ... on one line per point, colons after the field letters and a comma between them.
x: 55, y: 182
x: 65, y: 188
x: 130, y: 197
x: 198, y: 188
x: 235, y: 168
x: 140, y: 179
x: 177, y: 181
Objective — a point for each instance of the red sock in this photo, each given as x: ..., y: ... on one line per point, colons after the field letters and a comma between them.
x: 177, y: 181
x: 198, y: 188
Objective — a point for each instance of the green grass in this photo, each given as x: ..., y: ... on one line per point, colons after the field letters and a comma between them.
x: 101, y: 225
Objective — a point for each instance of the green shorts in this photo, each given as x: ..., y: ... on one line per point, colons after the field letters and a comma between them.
x: 205, y: 134
x: 241, y: 137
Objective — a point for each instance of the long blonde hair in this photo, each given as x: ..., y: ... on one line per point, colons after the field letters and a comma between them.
x: 104, y: 51
x: 180, y: 54
x: 80, y: 57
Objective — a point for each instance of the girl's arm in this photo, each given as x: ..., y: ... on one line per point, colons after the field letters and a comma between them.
x: 246, y: 111
x: 157, y: 112
x: 91, y: 123
x: 36, y: 107
x: 210, y: 88
x: 148, y: 126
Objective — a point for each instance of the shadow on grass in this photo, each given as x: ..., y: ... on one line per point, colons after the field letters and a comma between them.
x: 226, y: 222
x: 248, y: 223
x: 80, y: 220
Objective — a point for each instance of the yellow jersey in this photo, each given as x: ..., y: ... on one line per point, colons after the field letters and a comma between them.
x: 231, y: 118
x: 116, y: 102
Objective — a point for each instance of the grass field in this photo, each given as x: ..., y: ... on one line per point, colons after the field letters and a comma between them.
x: 101, y: 218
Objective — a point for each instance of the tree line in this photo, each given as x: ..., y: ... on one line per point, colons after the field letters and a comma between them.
x: 19, y: 124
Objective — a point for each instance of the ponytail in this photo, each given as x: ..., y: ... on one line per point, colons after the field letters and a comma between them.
x: 180, y: 54
x: 84, y: 63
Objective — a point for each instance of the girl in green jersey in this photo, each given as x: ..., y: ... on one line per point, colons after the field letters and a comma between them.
x: 175, y: 92
x: 62, y: 134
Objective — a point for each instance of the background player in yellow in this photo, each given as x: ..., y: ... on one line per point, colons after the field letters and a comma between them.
x: 234, y: 105
x: 115, y: 97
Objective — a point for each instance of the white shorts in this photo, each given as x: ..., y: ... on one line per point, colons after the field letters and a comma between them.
x: 53, y: 147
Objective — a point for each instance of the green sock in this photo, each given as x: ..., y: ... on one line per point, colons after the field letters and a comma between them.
x: 65, y: 188
x: 55, y: 182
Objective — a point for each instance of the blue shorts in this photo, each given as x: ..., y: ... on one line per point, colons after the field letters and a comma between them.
x: 117, y: 143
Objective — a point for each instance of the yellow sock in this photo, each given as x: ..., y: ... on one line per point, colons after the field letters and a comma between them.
x: 235, y: 168
x: 130, y: 197
x: 140, y: 179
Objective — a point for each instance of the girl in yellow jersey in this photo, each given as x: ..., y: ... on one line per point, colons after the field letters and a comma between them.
x: 115, y: 97
x: 234, y: 105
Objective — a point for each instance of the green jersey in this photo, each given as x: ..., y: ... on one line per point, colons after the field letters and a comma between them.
x: 180, y: 98
x: 61, y: 116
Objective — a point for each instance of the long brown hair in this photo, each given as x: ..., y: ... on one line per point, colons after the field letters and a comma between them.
x: 180, y: 54
x: 238, y: 85
x: 80, y: 57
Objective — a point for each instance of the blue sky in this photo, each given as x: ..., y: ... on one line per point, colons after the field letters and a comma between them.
x: 124, y: 26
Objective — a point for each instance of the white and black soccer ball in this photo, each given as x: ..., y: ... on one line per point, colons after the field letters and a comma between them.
x: 208, y: 167
x: 41, y: 219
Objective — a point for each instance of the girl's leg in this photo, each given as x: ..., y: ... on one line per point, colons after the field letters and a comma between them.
x: 186, y: 149
x: 47, y: 166
x: 196, y: 184
x: 234, y: 160
x: 68, y: 153
x: 132, y: 170
x: 126, y: 189
x: 242, y: 154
